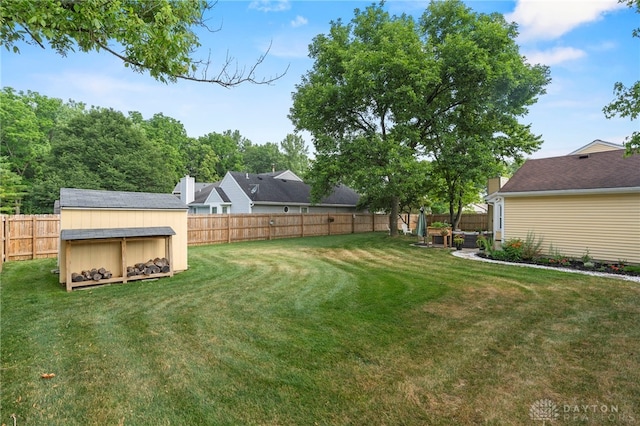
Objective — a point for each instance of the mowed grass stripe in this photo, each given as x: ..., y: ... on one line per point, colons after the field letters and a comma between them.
x: 357, y: 329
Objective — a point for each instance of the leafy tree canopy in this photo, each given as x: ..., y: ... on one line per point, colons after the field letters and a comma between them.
x: 263, y: 158
x: 12, y: 189
x: 46, y: 144
x: 296, y: 155
x: 385, y: 91
x: 157, y: 36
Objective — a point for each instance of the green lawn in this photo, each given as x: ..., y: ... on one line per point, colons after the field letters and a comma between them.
x: 358, y: 329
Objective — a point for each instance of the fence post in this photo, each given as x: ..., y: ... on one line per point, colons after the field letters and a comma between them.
x: 301, y: 225
x: 7, y: 238
x: 2, y: 240
x: 33, y: 237
x: 229, y: 228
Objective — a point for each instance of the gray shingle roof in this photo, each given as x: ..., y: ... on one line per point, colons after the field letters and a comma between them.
x: 265, y: 188
x: 202, y: 194
x: 88, y: 234
x: 598, y: 170
x: 98, y: 199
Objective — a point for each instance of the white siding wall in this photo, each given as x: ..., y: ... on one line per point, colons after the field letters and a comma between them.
x: 240, y: 203
x: 295, y: 209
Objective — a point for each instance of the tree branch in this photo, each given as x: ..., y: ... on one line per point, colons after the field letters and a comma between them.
x: 223, y: 78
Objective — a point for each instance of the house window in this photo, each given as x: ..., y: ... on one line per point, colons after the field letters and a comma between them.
x: 214, y: 210
x: 500, y: 216
x: 225, y: 209
x: 304, y: 209
x: 286, y: 209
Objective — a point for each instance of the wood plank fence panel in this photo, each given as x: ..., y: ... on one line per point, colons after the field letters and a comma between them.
x: 25, y: 237
x: 31, y: 236
x: 468, y: 221
x: 207, y: 229
x: 3, y: 241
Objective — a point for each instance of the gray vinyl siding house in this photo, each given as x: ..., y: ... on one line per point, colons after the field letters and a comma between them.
x: 277, y: 192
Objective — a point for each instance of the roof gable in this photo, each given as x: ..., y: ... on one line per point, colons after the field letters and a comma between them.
x: 597, y: 146
x: 598, y: 170
x: 287, y: 174
x: 118, y: 200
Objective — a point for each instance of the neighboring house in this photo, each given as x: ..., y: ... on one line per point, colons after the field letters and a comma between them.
x: 277, y: 192
x: 588, y: 200
x: 597, y: 146
x: 181, y: 187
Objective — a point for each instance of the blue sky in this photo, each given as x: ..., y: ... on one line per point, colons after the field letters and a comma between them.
x: 587, y: 44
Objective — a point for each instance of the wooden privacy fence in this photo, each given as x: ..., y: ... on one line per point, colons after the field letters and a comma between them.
x: 468, y: 221
x: 25, y: 237
x: 215, y: 229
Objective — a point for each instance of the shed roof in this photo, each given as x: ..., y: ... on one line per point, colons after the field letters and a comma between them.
x: 102, y: 233
x: 118, y: 200
x: 598, y: 170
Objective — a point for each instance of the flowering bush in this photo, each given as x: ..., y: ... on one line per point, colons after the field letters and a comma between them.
x: 513, y: 249
x: 559, y: 261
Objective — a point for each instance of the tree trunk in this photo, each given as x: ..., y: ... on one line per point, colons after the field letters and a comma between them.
x: 456, y: 219
x: 393, y: 217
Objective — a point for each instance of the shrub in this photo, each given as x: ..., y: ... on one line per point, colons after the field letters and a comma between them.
x: 484, y: 242
x: 513, y: 249
x: 531, y: 248
x: 498, y: 255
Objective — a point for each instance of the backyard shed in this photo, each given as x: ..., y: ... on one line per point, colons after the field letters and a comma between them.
x: 115, y: 231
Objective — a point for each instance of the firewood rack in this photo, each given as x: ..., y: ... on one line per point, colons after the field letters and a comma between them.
x: 82, y: 238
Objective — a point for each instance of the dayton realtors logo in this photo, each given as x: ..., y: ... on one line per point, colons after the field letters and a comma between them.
x: 545, y: 410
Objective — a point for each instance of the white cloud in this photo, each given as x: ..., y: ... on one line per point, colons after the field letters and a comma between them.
x: 270, y: 5
x: 299, y: 21
x: 554, y: 56
x: 550, y: 19
x: 604, y: 46
x: 289, y: 47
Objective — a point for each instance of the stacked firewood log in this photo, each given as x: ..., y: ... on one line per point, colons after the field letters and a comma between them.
x: 153, y: 266
x: 91, y: 275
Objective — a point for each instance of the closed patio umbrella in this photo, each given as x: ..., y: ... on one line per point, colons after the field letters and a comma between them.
x: 422, y: 225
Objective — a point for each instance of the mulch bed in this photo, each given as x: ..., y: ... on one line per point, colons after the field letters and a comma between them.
x: 609, y: 268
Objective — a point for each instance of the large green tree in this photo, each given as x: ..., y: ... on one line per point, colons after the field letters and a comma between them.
x: 627, y: 99
x: 12, y: 189
x: 385, y: 90
x: 474, y: 128
x: 170, y: 139
x: 228, y: 148
x: 296, y: 154
x: 158, y: 36
x: 263, y: 158
x: 355, y: 102
x: 29, y: 124
x: 22, y: 140
x: 101, y: 149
